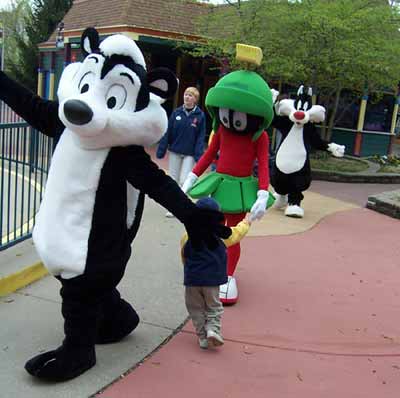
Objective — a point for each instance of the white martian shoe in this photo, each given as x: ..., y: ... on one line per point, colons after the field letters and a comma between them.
x: 280, y: 201
x: 294, y: 211
x: 228, y: 293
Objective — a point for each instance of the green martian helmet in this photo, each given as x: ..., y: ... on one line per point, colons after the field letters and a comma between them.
x: 242, y: 91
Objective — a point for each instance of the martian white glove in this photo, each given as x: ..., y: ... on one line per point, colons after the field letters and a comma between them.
x: 190, y: 180
x: 258, y: 209
x: 336, y: 150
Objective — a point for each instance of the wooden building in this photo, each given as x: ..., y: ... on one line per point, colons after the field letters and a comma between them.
x: 155, y: 25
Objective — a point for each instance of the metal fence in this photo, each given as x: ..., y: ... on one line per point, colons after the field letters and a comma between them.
x: 24, y: 162
x: 7, y: 115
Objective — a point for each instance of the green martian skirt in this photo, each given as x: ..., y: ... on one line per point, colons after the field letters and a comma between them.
x: 234, y: 194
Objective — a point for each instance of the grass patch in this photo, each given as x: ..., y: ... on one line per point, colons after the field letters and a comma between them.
x: 389, y: 169
x: 324, y: 161
x: 389, y: 164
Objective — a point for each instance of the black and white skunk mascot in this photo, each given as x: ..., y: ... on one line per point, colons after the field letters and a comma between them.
x: 291, y: 171
x: 108, y: 109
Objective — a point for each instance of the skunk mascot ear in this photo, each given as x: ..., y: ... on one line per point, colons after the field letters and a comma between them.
x: 162, y: 82
x: 90, y: 41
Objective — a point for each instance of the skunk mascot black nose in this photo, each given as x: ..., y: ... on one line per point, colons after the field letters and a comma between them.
x: 78, y: 112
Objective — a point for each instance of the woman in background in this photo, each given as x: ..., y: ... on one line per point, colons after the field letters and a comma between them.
x: 184, y: 138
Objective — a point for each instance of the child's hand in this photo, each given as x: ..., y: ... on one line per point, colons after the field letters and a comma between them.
x: 247, y: 219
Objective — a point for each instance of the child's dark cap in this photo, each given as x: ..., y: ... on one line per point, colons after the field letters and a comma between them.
x: 208, y: 203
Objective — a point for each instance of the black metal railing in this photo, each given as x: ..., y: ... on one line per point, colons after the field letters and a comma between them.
x: 25, y: 157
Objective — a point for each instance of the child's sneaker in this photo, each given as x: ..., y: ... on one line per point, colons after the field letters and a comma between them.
x: 203, y: 343
x: 214, y: 338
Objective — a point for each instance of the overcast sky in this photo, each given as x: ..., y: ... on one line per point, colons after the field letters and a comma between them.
x: 4, y: 3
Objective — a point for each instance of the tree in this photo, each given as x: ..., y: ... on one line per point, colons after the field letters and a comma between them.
x: 40, y: 22
x: 13, y: 26
x: 331, y: 45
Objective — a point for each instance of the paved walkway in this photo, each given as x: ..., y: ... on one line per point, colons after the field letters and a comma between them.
x: 317, y: 315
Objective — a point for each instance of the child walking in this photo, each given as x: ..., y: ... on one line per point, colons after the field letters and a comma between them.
x: 204, y: 271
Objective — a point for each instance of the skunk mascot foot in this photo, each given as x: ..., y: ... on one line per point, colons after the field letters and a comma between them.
x: 116, y: 323
x: 62, y: 364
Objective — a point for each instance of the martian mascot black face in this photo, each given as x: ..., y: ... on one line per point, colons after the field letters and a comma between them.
x: 238, y: 122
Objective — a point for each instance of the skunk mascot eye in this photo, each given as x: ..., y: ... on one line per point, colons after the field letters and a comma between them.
x: 116, y: 97
x: 86, y: 81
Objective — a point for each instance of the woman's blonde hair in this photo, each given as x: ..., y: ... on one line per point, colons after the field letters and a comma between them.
x: 194, y: 92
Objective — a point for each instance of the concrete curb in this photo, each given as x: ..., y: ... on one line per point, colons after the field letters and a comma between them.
x: 375, y: 178
x: 22, y: 278
x: 386, y: 203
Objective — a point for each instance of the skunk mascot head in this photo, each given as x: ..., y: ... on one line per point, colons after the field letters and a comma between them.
x: 110, y: 99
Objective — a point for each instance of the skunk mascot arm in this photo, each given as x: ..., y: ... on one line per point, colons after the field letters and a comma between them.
x: 146, y: 176
x: 40, y: 113
x: 202, y: 225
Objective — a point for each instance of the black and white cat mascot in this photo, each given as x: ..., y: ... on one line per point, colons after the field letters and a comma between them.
x: 108, y: 110
x: 291, y: 171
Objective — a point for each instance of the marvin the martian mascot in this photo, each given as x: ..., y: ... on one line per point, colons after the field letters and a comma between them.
x: 241, y: 108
